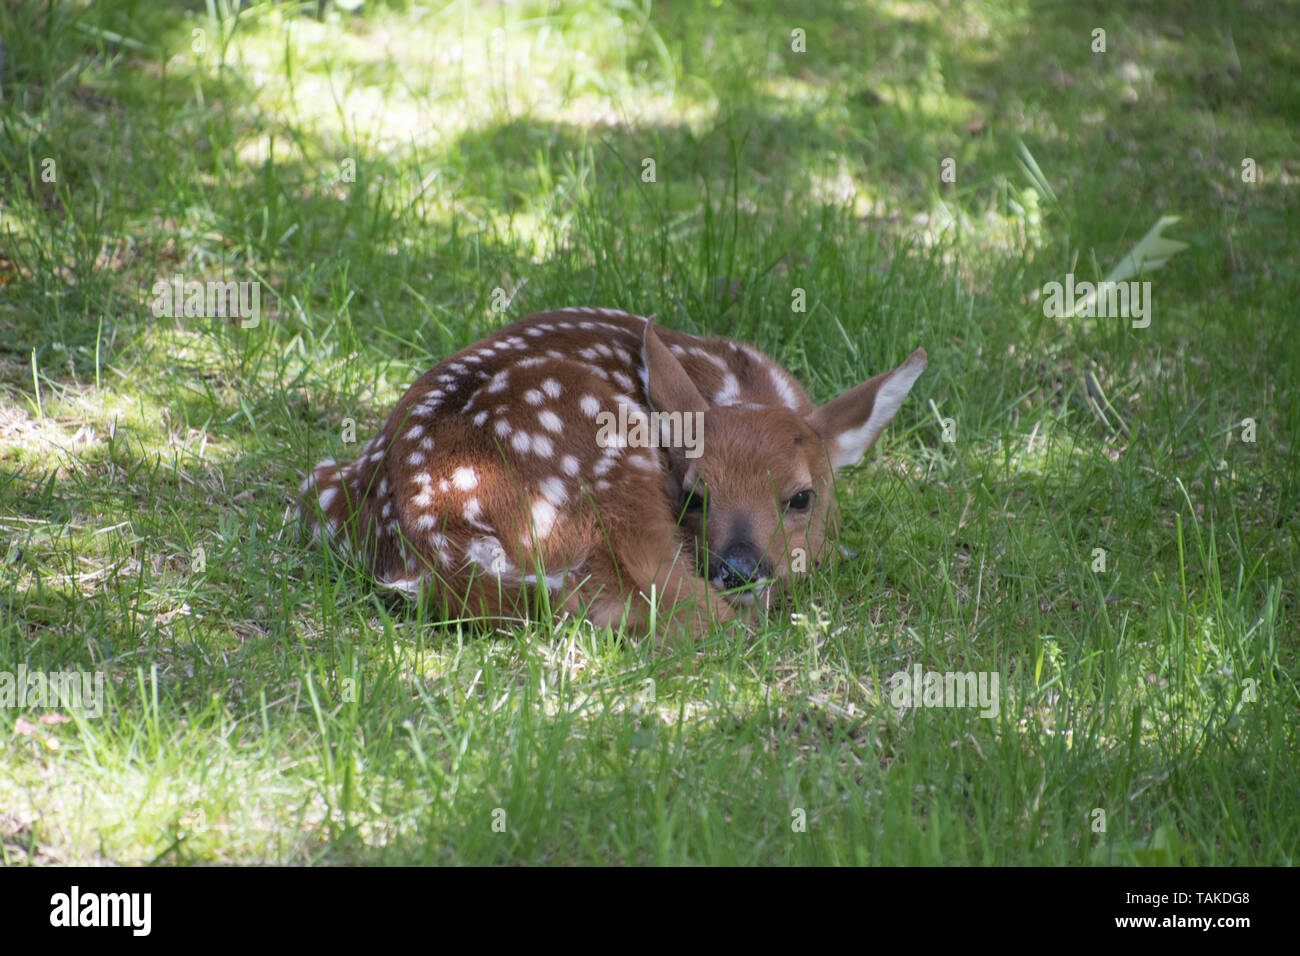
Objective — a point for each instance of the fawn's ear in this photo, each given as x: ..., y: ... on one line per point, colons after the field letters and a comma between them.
x: 850, y: 423
x: 669, y: 389
x: 667, y: 385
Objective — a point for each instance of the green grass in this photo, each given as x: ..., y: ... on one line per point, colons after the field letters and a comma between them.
x: 269, y: 708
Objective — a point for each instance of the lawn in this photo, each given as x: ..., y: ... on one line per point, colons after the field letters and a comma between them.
x: 1098, y: 512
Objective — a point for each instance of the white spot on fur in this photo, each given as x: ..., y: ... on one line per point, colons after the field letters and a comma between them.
x: 550, y: 421
x: 729, y: 394
x: 466, y: 479
x: 553, y: 490
x: 407, y: 587
x: 439, y: 541
x: 552, y: 388
x: 553, y: 581
x: 544, y: 515
x: 590, y: 407
x: 788, y: 397
x: 570, y: 465
x: 487, y: 553
x: 709, y: 356
x: 480, y: 419
x: 534, y: 397
x: 472, y: 511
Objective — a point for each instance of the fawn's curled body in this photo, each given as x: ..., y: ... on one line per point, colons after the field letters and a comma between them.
x: 535, y: 461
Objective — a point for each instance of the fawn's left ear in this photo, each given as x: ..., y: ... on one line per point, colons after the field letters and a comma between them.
x: 670, y: 389
x: 850, y: 423
x: 668, y: 386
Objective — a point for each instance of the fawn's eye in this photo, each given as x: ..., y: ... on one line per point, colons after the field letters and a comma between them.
x: 801, y: 501
x: 694, y: 500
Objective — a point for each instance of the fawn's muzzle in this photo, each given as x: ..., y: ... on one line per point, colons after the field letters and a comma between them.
x: 739, y: 565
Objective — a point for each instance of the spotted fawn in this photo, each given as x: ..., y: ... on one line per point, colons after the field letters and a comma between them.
x: 630, y: 472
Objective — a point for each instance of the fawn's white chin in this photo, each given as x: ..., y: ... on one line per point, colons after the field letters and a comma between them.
x: 760, y: 595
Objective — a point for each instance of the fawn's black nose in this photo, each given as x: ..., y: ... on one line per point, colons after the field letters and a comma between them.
x: 739, y: 565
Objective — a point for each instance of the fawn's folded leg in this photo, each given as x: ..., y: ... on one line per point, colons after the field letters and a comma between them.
x: 654, y: 563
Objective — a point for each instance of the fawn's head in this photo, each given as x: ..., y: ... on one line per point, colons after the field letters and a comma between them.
x: 758, y: 497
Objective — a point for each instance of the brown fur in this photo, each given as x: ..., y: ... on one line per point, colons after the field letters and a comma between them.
x: 487, y: 484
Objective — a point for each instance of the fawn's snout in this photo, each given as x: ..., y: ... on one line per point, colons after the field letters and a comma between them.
x: 738, y: 566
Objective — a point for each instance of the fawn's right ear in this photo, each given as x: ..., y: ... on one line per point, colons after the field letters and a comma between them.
x: 667, y: 385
